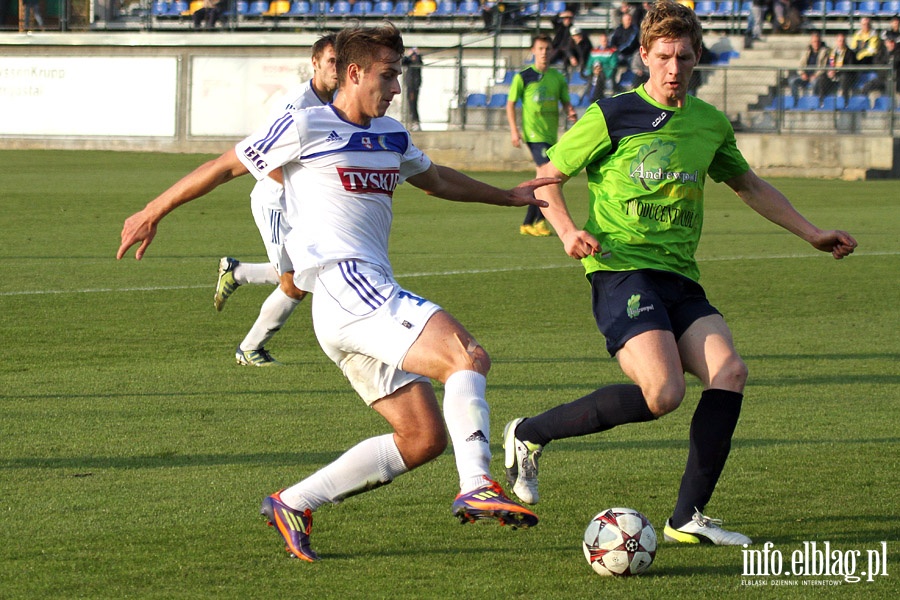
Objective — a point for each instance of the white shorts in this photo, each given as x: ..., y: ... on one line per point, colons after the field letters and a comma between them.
x: 366, y: 323
x: 272, y: 223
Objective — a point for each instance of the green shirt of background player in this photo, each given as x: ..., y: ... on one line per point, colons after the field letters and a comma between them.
x: 647, y: 154
x: 541, y: 89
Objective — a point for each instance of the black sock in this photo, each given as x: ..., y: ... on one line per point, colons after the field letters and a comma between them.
x: 532, y: 215
x: 598, y: 411
x: 711, y: 430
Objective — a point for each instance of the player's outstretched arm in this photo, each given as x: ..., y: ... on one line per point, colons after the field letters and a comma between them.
x: 765, y: 199
x: 450, y: 184
x: 577, y: 242
x: 141, y: 226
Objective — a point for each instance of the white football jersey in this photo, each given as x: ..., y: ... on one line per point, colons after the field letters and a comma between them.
x: 269, y: 194
x: 339, y: 183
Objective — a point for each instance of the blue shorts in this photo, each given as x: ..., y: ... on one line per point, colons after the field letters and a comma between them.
x: 539, y: 152
x: 628, y: 303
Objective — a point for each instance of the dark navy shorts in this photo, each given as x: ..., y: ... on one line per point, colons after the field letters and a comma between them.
x: 539, y: 152
x: 628, y: 303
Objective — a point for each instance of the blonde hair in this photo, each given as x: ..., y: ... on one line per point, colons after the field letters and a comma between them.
x: 668, y: 20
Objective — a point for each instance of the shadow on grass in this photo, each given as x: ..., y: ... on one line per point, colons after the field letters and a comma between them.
x: 172, y: 459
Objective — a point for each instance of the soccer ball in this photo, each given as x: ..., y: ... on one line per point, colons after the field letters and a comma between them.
x: 620, y: 542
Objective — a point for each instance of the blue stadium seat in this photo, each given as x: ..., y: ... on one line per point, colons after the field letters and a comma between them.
x: 868, y: 8
x: 159, y: 8
x: 553, y: 7
x: 745, y: 8
x: 382, y: 8
x: 299, y: 8
x: 863, y: 78
x: 705, y: 8
x: 576, y: 78
x: 819, y: 7
x: 497, y: 100
x: 727, y: 8
x: 531, y: 9
x: 257, y: 8
x: 179, y: 6
x: 832, y: 103
x: 341, y: 8
x: 476, y: 100
x: 469, y: 8
x: 787, y: 103
x: 445, y: 8
x: 508, y: 77
x: 881, y: 104
x: 724, y: 57
x: 889, y: 9
x: 842, y: 8
x: 362, y: 8
x: 858, y: 103
x: 402, y: 7
x: 626, y: 80
x: 807, y: 103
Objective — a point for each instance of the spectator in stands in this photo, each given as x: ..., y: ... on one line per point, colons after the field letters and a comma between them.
x: 887, y: 56
x: 758, y: 9
x: 788, y: 15
x: 561, y: 44
x: 639, y: 72
x: 865, y: 43
x: 208, y: 15
x: 596, y: 82
x: 580, y: 50
x: 497, y: 14
x: 602, y: 66
x: 541, y: 88
x: 412, y: 81
x: 893, y: 31
x: 636, y: 9
x: 812, y: 66
x: 625, y: 41
x: 836, y: 80
x: 33, y: 10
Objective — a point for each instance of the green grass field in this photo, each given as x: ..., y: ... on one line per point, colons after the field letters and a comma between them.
x: 134, y: 453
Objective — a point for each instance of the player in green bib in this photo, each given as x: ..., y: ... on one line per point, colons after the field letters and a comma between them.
x: 647, y: 154
x: 541, y: 90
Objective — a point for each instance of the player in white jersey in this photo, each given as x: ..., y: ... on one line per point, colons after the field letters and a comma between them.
x: 389, y: 342
x: 267, y: 202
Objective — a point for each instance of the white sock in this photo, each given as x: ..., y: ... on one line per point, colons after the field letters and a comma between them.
x: 468, y: 421
x: 273, y: 314
x: 369, y: 464
x: 256, y: 273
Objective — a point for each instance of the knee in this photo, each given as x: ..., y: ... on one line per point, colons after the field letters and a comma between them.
x: 664, y: 398
x: 732, y: 375
x: 481, y: 360
x: 471, y: 357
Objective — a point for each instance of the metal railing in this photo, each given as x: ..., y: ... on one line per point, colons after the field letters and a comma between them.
x: 856, y: 100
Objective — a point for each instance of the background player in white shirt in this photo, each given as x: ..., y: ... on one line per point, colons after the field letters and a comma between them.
x: 389, y: 342
x: 267, y: 203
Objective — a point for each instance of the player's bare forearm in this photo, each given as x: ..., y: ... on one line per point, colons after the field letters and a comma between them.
x: 766, y: 200
x: 577, y: 242
x: 141, y: 226
x: 450, y: 184
x: 511, y: 120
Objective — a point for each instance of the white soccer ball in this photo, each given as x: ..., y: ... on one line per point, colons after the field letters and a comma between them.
x: 620, y: 542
